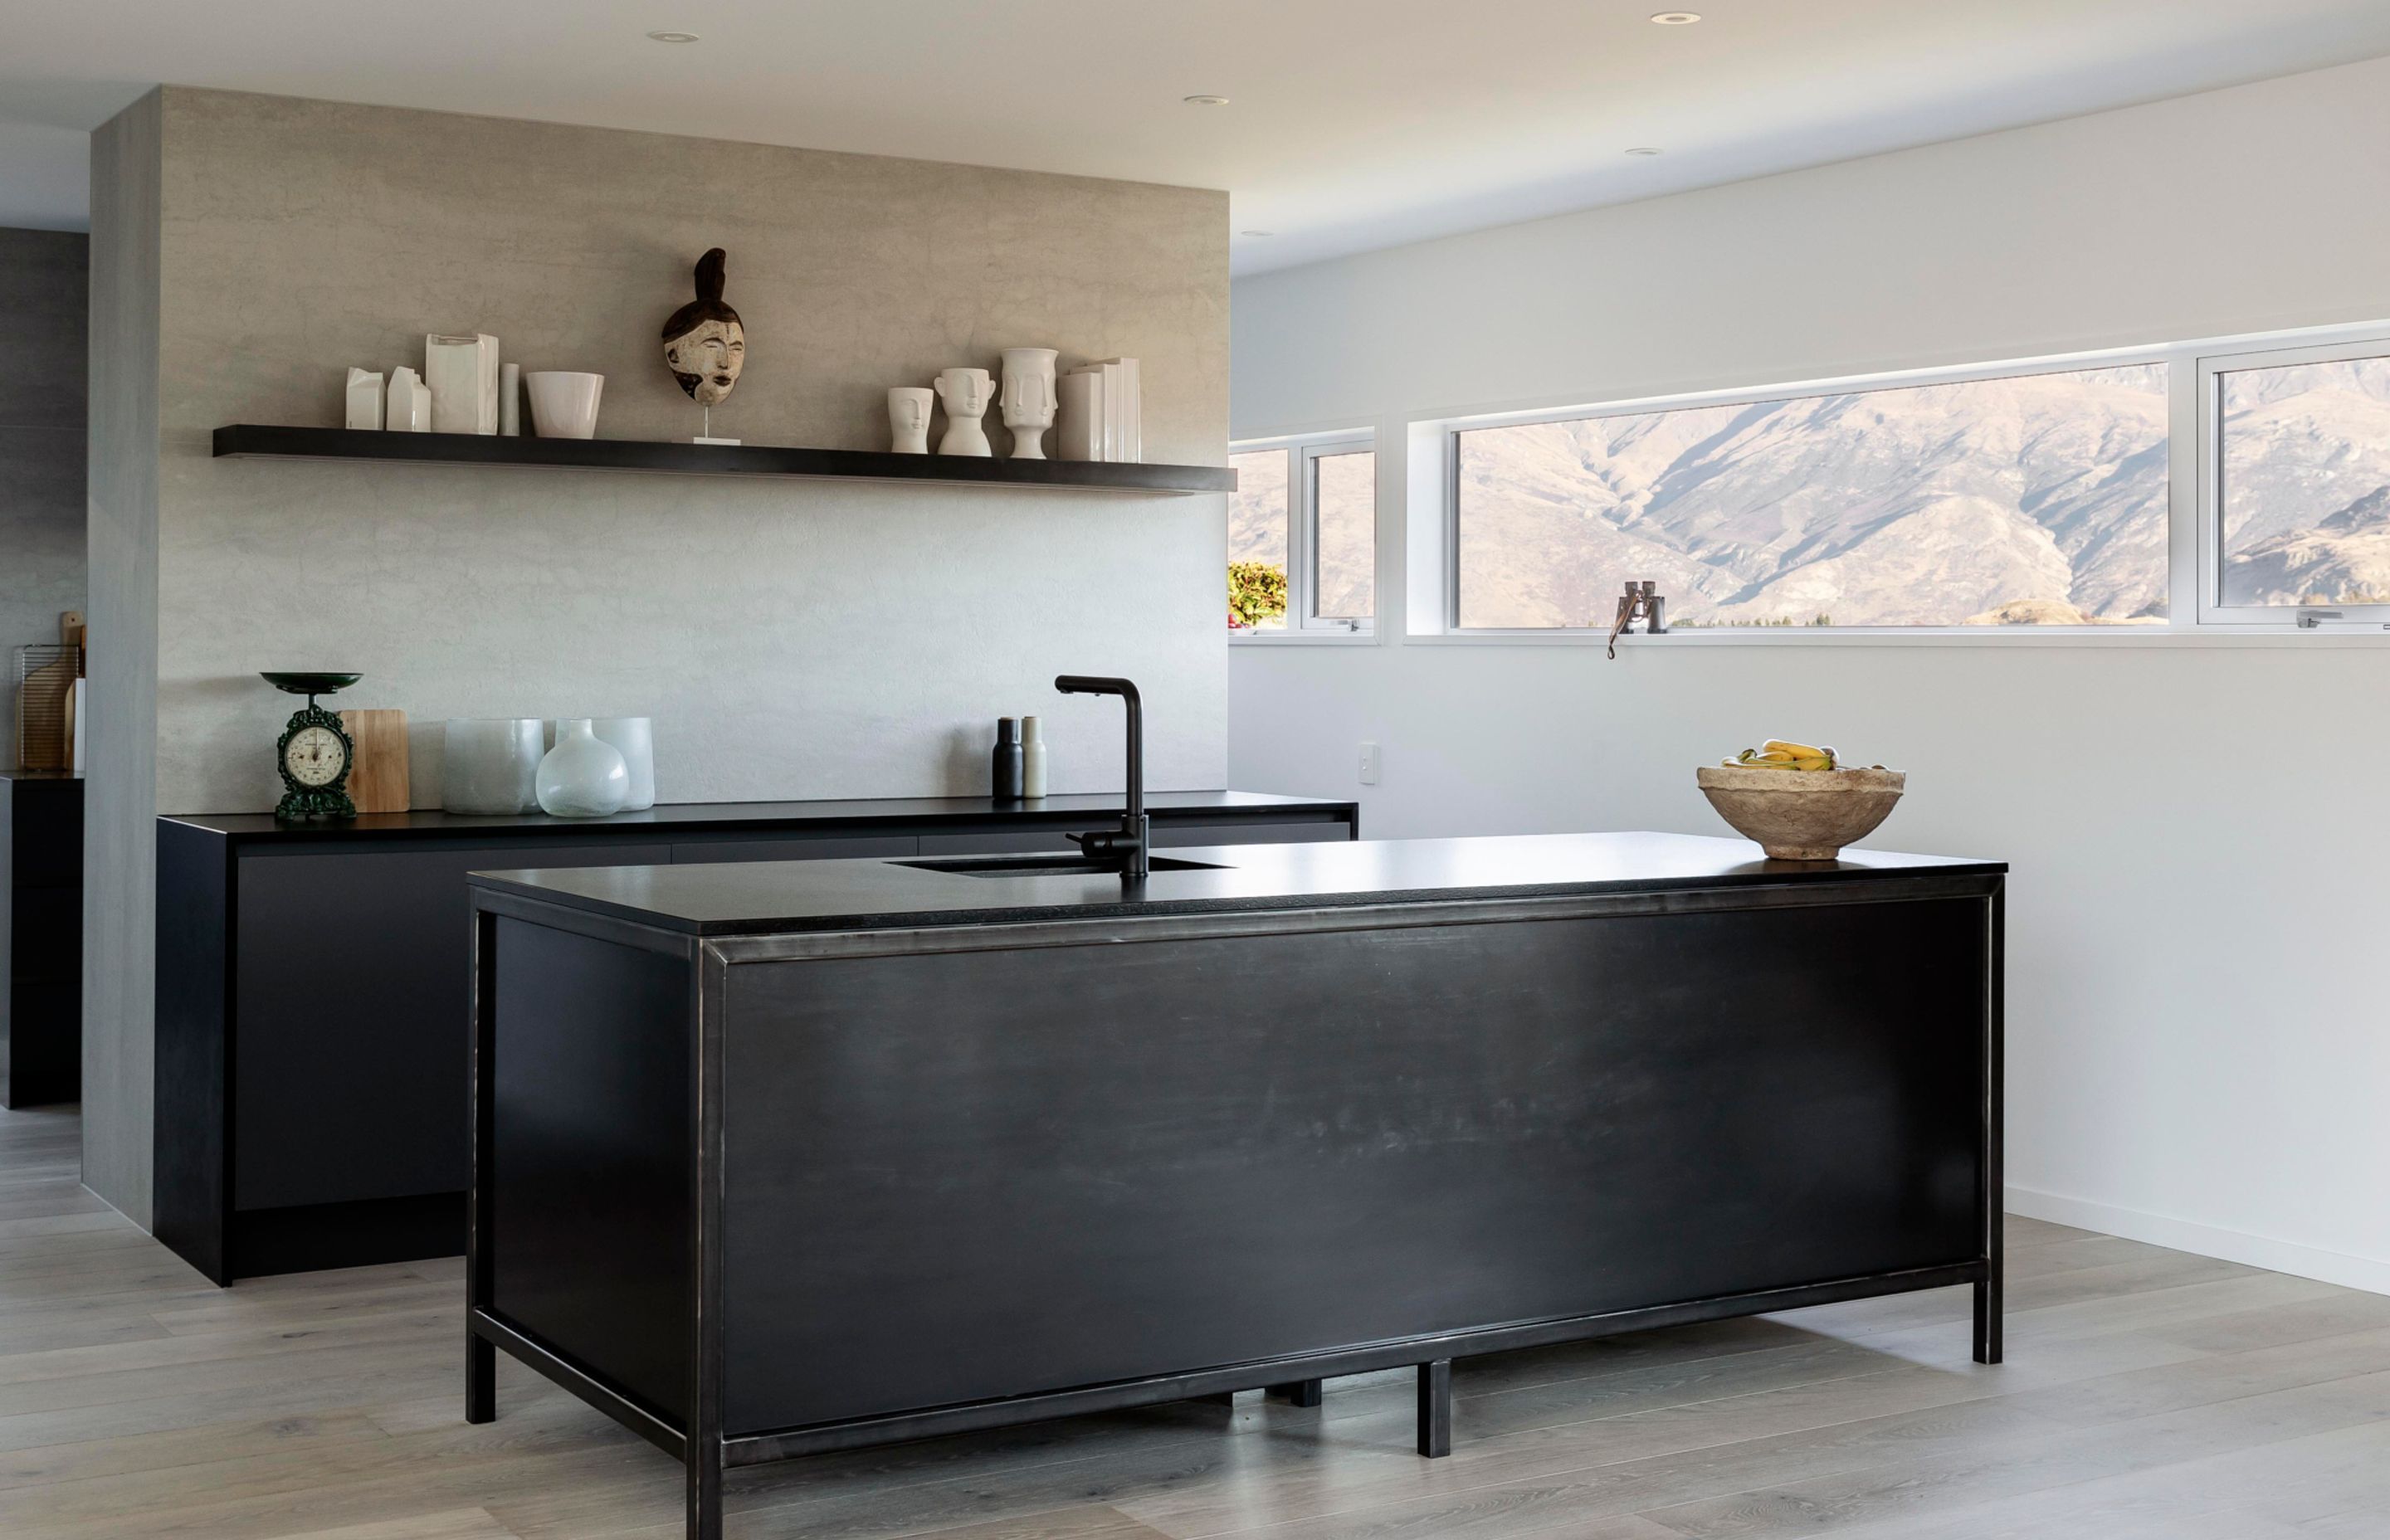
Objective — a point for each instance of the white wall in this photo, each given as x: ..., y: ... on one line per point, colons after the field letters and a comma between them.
x: 2199, y: 831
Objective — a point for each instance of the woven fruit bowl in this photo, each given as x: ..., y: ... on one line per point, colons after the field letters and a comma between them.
x: 1801, y: 815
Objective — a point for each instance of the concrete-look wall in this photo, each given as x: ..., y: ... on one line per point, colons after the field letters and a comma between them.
x: 790, y: 638
x: 43, y: 308
x: 119, y: 786
x: 2197, y: 828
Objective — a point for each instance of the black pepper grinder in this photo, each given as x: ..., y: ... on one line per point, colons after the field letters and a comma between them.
x: 1005, y: 765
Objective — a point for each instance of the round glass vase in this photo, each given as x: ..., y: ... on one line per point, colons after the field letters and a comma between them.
x: 582, y: 776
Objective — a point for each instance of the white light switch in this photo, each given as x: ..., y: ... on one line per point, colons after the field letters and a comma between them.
x: 1369, y: 765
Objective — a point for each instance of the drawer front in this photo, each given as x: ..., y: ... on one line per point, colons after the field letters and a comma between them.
x: 1175, y: 834
x: 1168, y: 832
x: 797, y: 848
x: 351, y: 1032
x: 42, y: 839
x: 45, y: 935
x: 1004, y: 841
x: 43, y: 1027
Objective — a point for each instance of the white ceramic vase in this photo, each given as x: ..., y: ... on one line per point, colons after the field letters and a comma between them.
x: 491, y: 765
x: 366, y: 410
x: 634, y: 739
x: 564, y: 402
x: 582, y: 777
x: 965, y: 393
x: 909, y: 419
x: 463, y: 375
x: 1029, y: 399
x: 410, y: 403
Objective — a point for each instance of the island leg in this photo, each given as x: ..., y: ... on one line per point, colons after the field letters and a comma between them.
x: 481, y: 1379
x: 705, y: 1488
x: 1297, y: 1393
x: 1435, y: 1408
x: 1995, y: 1195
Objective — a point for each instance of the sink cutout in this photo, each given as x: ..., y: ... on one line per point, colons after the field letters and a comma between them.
x: 1050, y: 866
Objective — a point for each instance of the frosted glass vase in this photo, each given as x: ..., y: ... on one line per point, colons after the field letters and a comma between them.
x: 582, y: 777
x: 634, y: 739
x: 492, y: 764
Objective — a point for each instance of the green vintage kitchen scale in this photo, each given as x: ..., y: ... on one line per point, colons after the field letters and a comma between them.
x: 315, y: 753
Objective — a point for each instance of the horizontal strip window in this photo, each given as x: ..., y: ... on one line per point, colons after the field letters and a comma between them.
x: 2242, y: 483
x: 2028, y: 499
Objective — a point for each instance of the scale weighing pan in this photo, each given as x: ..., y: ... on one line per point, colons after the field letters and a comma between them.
x: 311, y: 684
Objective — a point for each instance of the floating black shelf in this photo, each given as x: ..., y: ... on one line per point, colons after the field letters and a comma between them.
x: 707, y: 460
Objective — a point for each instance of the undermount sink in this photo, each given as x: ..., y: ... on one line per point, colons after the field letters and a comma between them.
x: 1050, y: 866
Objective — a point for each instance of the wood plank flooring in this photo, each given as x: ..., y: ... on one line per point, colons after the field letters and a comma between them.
x: 2149, y: 1395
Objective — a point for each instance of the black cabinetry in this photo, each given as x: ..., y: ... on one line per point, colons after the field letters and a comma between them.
x: 313, y: 991
x: 41, y: 937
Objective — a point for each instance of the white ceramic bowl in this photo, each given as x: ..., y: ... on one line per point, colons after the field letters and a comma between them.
x: 564, y: 402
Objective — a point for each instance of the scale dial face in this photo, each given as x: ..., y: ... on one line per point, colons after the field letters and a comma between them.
x: 314, y: 756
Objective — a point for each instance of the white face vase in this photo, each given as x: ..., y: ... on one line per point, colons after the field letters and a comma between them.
x: 909, y: 420
x: 707, y: 359
x: 966, y: 392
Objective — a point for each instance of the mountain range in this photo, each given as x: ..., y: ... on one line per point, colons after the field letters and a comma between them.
x: 2033, y: 499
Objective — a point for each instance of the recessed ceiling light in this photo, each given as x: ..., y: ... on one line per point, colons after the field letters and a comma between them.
x: 1678, y: 19
x: 672, y: 37
x: 1643, y: 150
x: 1258, y: 235
x: 1205, y: 101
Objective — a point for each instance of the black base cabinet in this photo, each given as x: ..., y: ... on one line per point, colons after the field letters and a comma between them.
x: 761, y: 1186
x: 312, y: 991
x: 41, y: 937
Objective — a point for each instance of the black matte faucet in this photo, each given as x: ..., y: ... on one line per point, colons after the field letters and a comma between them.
x: 1131, y: 843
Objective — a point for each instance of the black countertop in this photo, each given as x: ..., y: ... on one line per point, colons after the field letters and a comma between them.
x: 1077, y: 810
x: 774, y: 897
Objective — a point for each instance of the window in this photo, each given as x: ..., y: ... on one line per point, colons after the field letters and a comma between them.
x: 1303, y: 536
x: 2032, y: 499
x: 1257, y: 543
x: 2296, y: 509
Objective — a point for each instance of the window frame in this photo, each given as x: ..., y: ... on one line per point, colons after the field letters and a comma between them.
x: 1451, y: 430
x: 1302, y: 451
x: 2208, y: 511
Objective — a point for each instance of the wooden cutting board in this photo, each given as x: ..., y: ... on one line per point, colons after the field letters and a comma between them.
x: 378, y: 782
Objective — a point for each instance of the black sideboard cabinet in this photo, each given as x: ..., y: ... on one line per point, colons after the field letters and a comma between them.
x: 314, y: 997
x: 41, y: 937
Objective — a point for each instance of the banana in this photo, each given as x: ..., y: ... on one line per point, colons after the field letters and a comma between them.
x: 1784, y: 754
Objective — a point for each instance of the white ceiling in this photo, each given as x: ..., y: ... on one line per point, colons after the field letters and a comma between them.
x: 1354, y: 124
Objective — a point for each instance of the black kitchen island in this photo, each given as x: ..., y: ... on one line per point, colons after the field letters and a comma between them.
x: 777, y: 1159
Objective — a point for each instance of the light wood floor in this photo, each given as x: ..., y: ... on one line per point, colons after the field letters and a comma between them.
x: 2149, y: 1395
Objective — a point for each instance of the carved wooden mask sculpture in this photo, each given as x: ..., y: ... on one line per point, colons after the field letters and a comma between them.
x: 705, y: 345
